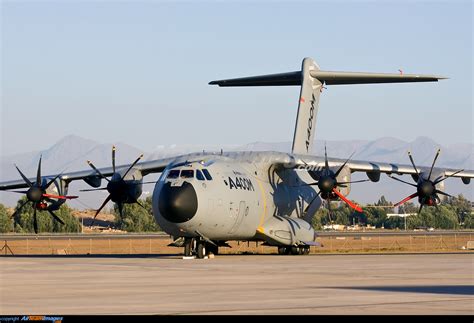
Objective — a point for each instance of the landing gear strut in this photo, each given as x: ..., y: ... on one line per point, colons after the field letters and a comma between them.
x: 198, y: 247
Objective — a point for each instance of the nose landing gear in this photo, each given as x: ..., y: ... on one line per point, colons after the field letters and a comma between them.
x: 199, y: 248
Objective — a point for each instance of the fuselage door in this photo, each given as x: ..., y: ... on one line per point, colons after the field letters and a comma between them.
x: 242, y: 212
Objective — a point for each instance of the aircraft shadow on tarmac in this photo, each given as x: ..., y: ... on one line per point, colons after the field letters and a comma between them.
x: 435, y: 289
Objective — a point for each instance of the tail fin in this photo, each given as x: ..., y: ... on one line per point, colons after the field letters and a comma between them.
x: 307, y: 109
x: 312, y: 79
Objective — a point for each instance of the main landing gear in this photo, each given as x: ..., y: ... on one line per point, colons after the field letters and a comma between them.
x: 292, y: 250
x: 199, y: 248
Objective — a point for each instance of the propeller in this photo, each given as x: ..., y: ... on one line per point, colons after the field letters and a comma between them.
x: 116, y: 186
x: 426, y: 190
x: 36, y: 194
x: 327, y: 183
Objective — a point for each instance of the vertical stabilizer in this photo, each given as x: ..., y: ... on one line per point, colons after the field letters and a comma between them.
x: 307, y: 109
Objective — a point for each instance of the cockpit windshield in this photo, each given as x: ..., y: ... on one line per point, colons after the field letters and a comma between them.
x: 173, y: 174
x: 187, y: 173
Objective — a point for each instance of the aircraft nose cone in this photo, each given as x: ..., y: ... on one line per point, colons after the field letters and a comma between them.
x: 178, y: 204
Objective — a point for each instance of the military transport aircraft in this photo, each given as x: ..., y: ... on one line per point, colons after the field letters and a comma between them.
x: 206, y: 199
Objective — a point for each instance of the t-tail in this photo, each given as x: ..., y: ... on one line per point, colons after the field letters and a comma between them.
x: 312, y: 80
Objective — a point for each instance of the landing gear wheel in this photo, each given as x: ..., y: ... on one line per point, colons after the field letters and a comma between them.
x: 294, y: 250
x: 306, y: 250
x: 282, y: 250
x: 188, y: 244
x: 201, y: 250
x: 300, y: 251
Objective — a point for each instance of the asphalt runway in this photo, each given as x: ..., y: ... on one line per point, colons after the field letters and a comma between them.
x: 239, y: 284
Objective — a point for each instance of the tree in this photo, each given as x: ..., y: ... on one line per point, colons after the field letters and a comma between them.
x: 462, y: 207
x: 24, y: 220
x: 6, y: 222
x: 136, y: 218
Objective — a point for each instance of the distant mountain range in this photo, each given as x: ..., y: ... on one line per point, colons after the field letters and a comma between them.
x: 71, y: 152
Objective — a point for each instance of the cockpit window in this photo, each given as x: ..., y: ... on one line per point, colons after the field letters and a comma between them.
x: 199, y: 175
x: 173, y: 173
x: 206, y: 173
x: 187, y: 173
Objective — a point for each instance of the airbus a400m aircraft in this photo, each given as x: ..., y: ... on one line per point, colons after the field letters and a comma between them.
x: 211, y: 198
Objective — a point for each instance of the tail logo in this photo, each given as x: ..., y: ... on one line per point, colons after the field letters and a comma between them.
x: 310, y: 122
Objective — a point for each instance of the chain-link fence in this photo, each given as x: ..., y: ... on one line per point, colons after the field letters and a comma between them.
x: 136, y: 245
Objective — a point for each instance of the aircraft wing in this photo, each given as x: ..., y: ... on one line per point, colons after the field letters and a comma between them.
x: 89, y: 175
x: 374, y: 169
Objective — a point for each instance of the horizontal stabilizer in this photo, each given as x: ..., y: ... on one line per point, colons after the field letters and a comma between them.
x: 336, y: 78
x: 327, y: 77
x: 282, y: 79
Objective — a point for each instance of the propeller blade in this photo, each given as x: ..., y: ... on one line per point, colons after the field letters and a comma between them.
x: 38, y: 173
x: 326, y: 163
x: 94, y: 189
x: 21, y: 192
x: 342, y: 197
x: 138, y: 202
x: 340, y: 168
x: 101, y: 207
x: 56, y: 217
x: 35, y: 221
x: 52, y: 181
x: 413, y: 163
x: 434, y: 161
x: 406, y: 199
x: 27, y: 181
x: 113, y: 158
x: 131, y: 166
x: 19, y: 209
x: 97, y: 171
x: 361, y: 181
x: 314, y: 198
x: 120, y: 207
x: 61, y: 197
x: 421, y: 207
x: 446, y: 177
x: 443, y: 193
x: 400, y: 180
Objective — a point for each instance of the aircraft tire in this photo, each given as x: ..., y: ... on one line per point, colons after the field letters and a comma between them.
x: 201, y: 250
x: 282, y: 250
x: 188, y: 252
x: 294, y: 250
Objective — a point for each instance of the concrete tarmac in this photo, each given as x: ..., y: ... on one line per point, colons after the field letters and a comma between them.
x: 238, y: 284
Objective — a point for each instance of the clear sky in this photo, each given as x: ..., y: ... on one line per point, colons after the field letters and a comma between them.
x: 137, y: 72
